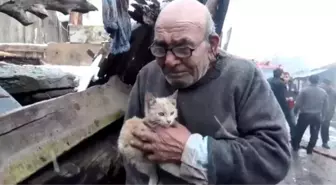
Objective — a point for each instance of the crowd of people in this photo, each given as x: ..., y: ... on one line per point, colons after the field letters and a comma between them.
x: 313, y: 106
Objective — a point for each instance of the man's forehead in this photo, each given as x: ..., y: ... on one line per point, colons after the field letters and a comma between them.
x: 179, y: 31
x: 169, y: 22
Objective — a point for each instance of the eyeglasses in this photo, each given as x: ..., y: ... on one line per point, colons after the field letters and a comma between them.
x: 179, y: 51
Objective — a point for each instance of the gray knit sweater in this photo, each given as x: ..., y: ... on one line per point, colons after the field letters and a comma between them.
x: 237, y: 94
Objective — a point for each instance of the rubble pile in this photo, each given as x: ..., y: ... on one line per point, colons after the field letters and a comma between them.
x: 29, y: 84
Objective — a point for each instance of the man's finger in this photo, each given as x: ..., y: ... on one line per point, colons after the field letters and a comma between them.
x: 144, y: 135
x: 146, y: 147
x: 155, y: 158
x: 137, y: 144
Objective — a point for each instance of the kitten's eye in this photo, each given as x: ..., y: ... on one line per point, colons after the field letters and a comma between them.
x: 161, y: 114
x: 171, y: 113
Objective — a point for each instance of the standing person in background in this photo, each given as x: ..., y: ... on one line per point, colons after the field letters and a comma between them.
x: 279, y: 89
x: 312, y: 103
x: 327, y: 86
x: 292, y: 90
x: 291, y: 94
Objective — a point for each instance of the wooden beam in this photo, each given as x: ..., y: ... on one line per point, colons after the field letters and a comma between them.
x: 330, y: 153
x: 30, y: 135
x: 70, y: 54
x: 24, y: 49
x: 7, y: 54
x: 97, y: 159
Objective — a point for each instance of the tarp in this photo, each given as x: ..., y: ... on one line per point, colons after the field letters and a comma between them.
x: 7, y: 102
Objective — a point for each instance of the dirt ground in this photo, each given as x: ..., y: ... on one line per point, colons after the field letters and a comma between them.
x: 311, y: 170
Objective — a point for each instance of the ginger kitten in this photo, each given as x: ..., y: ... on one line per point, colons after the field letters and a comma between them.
x: 159, y: 111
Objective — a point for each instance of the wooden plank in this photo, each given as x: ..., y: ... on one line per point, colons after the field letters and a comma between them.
x: 97, y: 159
x: 23, y: 47
x: 7, y: 54
x: 87, y: 34
x: 29, y: 135
x: 52, y: 53
x: 24, y: 50
x: 70, y: 54
x: 330, y: 153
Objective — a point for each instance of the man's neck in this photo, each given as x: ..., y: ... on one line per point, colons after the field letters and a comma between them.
x: 213, y: 72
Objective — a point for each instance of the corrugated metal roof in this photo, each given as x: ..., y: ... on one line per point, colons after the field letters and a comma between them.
x: 306, y: 73
x: 309, y: 73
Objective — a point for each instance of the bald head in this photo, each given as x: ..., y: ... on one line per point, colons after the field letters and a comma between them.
x: 191, y: 11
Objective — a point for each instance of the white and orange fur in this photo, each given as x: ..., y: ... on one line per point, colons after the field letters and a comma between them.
x: 158, y: 111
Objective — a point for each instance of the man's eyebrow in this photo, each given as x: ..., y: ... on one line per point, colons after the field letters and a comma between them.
x: 177, y: 42
x: 160, y: 42
x: 183, y: 41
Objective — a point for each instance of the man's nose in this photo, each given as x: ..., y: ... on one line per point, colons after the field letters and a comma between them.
x: 171, y: 60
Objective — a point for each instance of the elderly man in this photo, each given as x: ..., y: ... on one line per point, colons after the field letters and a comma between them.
x: 226, y: 133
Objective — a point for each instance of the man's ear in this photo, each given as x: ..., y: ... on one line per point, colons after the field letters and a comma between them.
x: 213, y: 50
x: 214, y: 43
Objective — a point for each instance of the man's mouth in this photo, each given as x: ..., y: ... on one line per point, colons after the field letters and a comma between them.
x: 176, y: 74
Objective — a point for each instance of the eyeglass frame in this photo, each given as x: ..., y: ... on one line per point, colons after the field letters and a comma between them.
x: 171, y: 50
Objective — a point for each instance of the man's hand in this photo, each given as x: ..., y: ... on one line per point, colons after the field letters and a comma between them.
x: 163, y: 144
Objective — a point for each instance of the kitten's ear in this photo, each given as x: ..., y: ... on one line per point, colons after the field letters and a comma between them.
x: 149, y: 98
x: 174, y: 95
x: 173, y: 98
x: 173, y: 101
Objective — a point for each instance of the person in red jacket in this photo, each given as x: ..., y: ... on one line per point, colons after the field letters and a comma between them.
x: 291, y: 91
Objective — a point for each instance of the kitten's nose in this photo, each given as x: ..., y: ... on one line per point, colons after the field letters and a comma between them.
x: 168, y: 121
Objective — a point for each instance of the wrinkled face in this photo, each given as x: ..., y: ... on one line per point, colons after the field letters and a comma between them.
x: 182, y: 72
x: 162, y: 111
